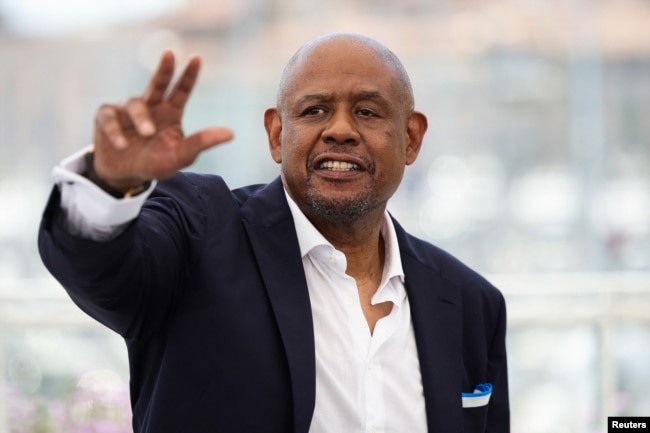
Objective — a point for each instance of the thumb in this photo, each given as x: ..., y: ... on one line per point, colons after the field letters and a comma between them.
x: 203, y: 140
x: 200, y: 141
x: 210, y: 137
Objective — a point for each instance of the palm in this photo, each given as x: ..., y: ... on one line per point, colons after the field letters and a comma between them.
x: 150, y: 157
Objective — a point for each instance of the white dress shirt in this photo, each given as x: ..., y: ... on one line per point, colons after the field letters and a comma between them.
x: 364, y: 383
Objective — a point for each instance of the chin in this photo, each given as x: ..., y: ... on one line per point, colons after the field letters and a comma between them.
x: 343, y: 210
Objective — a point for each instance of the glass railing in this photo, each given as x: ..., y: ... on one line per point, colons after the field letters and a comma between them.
x: 577, y: 344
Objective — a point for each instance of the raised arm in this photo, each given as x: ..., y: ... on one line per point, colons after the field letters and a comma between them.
x: 143, y: 139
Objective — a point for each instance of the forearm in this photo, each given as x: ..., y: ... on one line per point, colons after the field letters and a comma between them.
x: 81, y: 246
x: 115, y: 281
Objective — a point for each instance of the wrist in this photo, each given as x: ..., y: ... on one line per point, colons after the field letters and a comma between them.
x: 127, y: 189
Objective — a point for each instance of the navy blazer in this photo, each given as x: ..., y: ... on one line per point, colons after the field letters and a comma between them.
x: 208, y: 290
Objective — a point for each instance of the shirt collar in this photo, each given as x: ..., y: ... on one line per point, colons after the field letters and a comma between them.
x: 309, y: 238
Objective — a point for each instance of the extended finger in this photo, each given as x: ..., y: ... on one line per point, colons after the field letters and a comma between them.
x: 138, y: 112
x: 160, y: 80
x: 107, y: 123
x: 183, y: 88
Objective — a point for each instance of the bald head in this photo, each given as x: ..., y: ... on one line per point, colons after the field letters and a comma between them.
x: 354, y: 43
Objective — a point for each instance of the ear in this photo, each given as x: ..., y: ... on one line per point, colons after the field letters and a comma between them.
x: 273, y: 125
x: 415, y: 130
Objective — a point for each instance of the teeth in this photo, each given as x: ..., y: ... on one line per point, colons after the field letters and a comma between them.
x: 339, y: 166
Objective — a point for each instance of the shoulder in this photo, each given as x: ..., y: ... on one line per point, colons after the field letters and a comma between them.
x: 189, y: 186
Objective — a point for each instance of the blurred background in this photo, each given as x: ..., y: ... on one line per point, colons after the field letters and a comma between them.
x: 535, y: 171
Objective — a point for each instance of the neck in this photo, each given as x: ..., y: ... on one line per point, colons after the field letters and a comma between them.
x: 360, y: 241
x: 363, y: 245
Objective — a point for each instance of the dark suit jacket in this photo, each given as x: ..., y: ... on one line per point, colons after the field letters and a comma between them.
x: 207, y: 288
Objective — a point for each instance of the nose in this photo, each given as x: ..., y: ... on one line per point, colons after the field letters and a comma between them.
x: 341, y: 129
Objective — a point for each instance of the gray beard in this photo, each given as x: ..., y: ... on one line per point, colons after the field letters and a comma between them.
x: 342, y: 211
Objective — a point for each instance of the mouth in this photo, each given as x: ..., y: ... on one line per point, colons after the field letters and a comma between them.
x: 335, y: 165
x: 339, y: 163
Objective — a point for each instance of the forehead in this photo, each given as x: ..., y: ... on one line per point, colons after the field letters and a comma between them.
x: 341, y: 66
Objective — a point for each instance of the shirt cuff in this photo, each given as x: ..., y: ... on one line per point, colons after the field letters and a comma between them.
x: 82, y: 198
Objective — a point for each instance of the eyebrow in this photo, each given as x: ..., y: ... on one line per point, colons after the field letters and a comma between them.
x: 361, y: 95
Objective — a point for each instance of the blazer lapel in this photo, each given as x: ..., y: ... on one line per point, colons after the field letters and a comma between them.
x: 268, y: 221
x: 435, y: 310
x: 437, y: 322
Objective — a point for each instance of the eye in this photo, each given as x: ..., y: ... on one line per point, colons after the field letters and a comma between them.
x: 366, y: 112
x: 313, y: 111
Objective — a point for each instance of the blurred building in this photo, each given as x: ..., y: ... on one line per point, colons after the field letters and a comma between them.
x: 535, y: 170
x: 538, y: 145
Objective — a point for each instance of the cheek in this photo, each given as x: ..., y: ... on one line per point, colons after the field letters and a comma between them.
x: 393, y: 165
x: 294, y: 151
x: 393, y: 153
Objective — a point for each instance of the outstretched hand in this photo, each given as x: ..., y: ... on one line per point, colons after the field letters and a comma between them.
x: 143, y: 139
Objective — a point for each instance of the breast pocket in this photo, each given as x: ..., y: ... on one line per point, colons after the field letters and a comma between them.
x: 475, y: 419
x: 475, y: 408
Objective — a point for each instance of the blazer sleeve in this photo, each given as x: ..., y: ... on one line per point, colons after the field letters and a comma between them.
x: 130, y: 283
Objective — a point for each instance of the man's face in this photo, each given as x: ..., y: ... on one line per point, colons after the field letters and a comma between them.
x: 343, y: 133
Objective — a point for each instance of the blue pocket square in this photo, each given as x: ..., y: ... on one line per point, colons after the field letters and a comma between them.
x: 480, y: 396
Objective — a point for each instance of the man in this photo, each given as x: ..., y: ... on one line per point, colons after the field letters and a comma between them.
x: 297, y: 306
